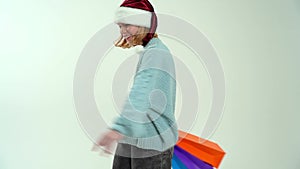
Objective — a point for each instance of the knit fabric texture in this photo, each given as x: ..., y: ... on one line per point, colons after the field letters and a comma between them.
x: 147, y: 119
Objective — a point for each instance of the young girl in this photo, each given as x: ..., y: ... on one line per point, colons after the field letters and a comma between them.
x: 146, y: 129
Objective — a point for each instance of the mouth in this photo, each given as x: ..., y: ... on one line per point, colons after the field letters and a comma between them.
x: 127, y: 37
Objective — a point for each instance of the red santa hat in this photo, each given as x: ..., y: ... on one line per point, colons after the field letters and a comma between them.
x: 139, y: 13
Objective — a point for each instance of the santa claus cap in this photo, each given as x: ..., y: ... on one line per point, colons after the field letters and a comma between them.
x: 139, y: 13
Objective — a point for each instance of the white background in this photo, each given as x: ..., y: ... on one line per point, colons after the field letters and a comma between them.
x: 257, y: 42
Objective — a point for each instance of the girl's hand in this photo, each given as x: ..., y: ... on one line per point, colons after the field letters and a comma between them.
x: 107, y: 140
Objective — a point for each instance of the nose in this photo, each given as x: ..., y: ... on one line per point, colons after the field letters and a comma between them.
x: 123, y: 29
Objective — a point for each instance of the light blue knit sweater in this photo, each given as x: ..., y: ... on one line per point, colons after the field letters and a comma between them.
x: 147, y: 118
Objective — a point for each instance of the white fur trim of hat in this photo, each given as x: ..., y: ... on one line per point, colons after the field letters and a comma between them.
x: 133, y: 16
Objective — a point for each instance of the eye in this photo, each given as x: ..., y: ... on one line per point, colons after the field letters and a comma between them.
x: 127, y: 25
x: 120, y: 25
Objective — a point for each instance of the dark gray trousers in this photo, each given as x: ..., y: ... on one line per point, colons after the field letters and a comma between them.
x: 132, y: 157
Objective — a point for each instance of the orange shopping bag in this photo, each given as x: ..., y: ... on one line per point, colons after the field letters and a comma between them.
x: 204, y: 150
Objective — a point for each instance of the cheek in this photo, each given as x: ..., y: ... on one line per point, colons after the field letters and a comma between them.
x: 134, y: 30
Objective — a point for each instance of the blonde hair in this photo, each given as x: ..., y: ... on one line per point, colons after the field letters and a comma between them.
x: 137, y: 39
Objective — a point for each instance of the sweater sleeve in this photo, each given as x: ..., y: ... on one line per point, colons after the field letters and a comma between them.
x: 148, y: 97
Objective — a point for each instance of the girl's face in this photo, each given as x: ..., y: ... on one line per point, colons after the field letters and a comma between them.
x: 128, y: 31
